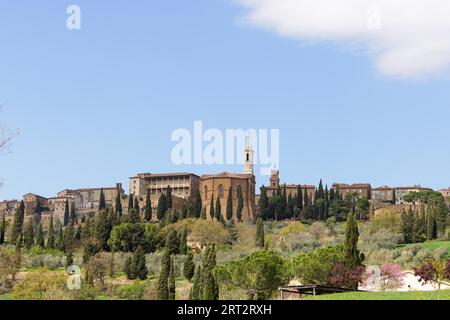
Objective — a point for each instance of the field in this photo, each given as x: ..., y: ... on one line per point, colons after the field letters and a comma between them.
x: 414, y: 295
x: 433, y: 245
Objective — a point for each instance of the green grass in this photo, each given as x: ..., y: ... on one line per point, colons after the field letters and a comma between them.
x: 6, y: 296
x: 435, y: 244
x: 413, y: 295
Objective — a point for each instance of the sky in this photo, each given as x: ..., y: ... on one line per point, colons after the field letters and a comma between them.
x: 358, y: 89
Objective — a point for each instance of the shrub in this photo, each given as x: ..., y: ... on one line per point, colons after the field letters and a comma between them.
x: 293, y: 228
x: 381, y: 239
x: 319, y: 230
x: 386, y: 218
x: 204, y: 231
x: 133, y: 291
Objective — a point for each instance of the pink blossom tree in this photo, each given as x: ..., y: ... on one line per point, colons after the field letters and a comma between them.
x: 391, y: 276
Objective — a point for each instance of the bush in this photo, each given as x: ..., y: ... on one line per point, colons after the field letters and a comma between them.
x: 204, y: 232
x: 387, y: 218
x: 381, y: 239
x: 293, y: 228
x: 133, y: 291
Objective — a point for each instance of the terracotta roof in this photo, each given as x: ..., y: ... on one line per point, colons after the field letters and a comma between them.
x: 163, y: 175
x: 227, y: 175
x: 351, y: 186
x: 304, y: 186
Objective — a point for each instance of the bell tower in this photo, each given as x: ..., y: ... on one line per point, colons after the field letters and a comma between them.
x: 248, y: 156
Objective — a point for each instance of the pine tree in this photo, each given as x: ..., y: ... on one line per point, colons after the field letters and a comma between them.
x: 66, y: 213
x: 189, y: 266
x: 162, y: 207
x: 171, y: 281
x: 169, y: 198
x: 139, y: 266
x: 211, y: 208
x: 260, y: 237
x: 229, y: 212
x: 240, y: 206
x: 102, y: 201
x: 40, y: 241
x: 28, y: 236
x: 16, y: 231
x: 148, y: 207
x: 183, y: 241
x: 51, y: 235
x: 163, y: 279
x: 130, y: 203
x: 218, y: 210
x: 196, y: 290
x: 203, y: 214
x: 118, y: 206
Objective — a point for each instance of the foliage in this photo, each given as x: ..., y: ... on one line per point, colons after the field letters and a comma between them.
x: 189, y: 266
x: 204, y: 232
x: 391, y: 276
x: 133, y: 291
x: 41, y: 285
x: 260, y: 236
x: 127, y: 237
x: 343, y: 276
x: 434, y: 271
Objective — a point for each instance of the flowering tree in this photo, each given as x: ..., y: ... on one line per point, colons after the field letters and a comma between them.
x: 434, y: 271
x: 391, y: 276
x: 343, y: 276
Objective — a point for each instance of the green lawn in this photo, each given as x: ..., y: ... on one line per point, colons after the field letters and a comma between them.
x: 6, y: 296
x: 414, y: 295
x: 435, y: 244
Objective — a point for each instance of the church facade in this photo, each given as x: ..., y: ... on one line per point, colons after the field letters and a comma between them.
x: 213, y: 186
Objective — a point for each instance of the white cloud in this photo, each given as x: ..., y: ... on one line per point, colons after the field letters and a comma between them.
x: 405, y: 38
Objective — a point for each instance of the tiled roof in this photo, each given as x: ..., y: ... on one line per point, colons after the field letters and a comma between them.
x: 163, y: 175
x: 227, y: 175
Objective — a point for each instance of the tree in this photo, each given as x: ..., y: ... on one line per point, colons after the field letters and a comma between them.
x: 391, y: 277
x: 69, y: 237
x: 148, y: 207
x: 431, y: 224
x: 102, y: 201
x: 198, y: 207
x: 196, y: 290
x: 218, y: 210
x: 127, y: 269
x: 162, y: 284
x: 260, y: 237
x: 229, y: 212
x: 299, y: 198
x: 130, y: 203
x: 3, y: 229
x: 40, y: 241
x: 103, y: 229
x: 172, y: 242
x: 211, y: 208
x: 258, y: 275
x: 183, y: 241
x: 51, y: 234
x: 240, y: 206
x: 118, y: 206
x: 408, y: 222
x: 441, y: 218
x: 60, y: 239
x: 343, y: 276
x: 210, y: 289
x: 162, y: 207
x: 433, y: 271
x: 183, y: 212
x: 38, y: 213
x: 203, y: 214
x: 189, y: 266
x: 28, y: 235
x: 263, y: 204
x: 139, y: 267
x: 16, y: 231
x: 353, y: 258
x: 171, y: 281
x: 66, y: 213
x: 73, y: 213
x: 169, y: 198
x: 134, y: 216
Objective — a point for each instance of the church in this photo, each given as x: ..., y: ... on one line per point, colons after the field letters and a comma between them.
x: 218, y: 185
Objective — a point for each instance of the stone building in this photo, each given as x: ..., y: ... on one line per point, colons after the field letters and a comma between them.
x: 291, y: 189
x: 401, y: 192
x: 361, y: 189
x: 384, y: 194
x: 8, y: 207
x: 31, y: 200
x: 213, y: 186
x: 183, y: 185
x: 446, y: 194
x: 57, y: 205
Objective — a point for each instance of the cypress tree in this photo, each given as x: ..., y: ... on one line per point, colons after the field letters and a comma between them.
x: 203, y: 213
x: 198, y: 207
x: 16, y: 231
x: 51, y: 235
x: 229, y: 212
x: 240, y: 206
x: 118, y: 206
x: 139, y: 266
x: 260, y: 241
x: 299, y: 203
x: 352, y: 256
x: 40, y: 241
x: 102, y: 201
x: 189, y: 266
x: 171, y: 281
x: 263, y: 204
x: 127, y: 268
x: 162, y: 207
x: 211, y: 208
x: 172, y: 242
x: 73, y: 213
x: 163, y: 279
x: 3, y: 229
x: 69, y: 259
x: 441, y: 218
x: 196, y: 290
x: 69, y: 236
x: 60, y: 239
x: 136, y: 204
x: 218, y: 210
x: 130, y: 203
x: 22, y: 213
x: 66, y: 213
x: 148, y: 207
x: 183, y: 212
x: 183, y: 241
x: 210, y: 286
x: 169, y: 197
x: 37, y: 213
x: 134, y: 216
x: 28, y: 236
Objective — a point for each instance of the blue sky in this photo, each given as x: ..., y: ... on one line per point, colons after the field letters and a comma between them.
x: 98, y: 105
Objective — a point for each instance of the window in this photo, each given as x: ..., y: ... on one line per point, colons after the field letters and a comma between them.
x: 221, y: 191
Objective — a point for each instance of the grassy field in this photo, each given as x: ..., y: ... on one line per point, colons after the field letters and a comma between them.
x: 414, y: 295
x: 6, y: 296
x: 432, y: 245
